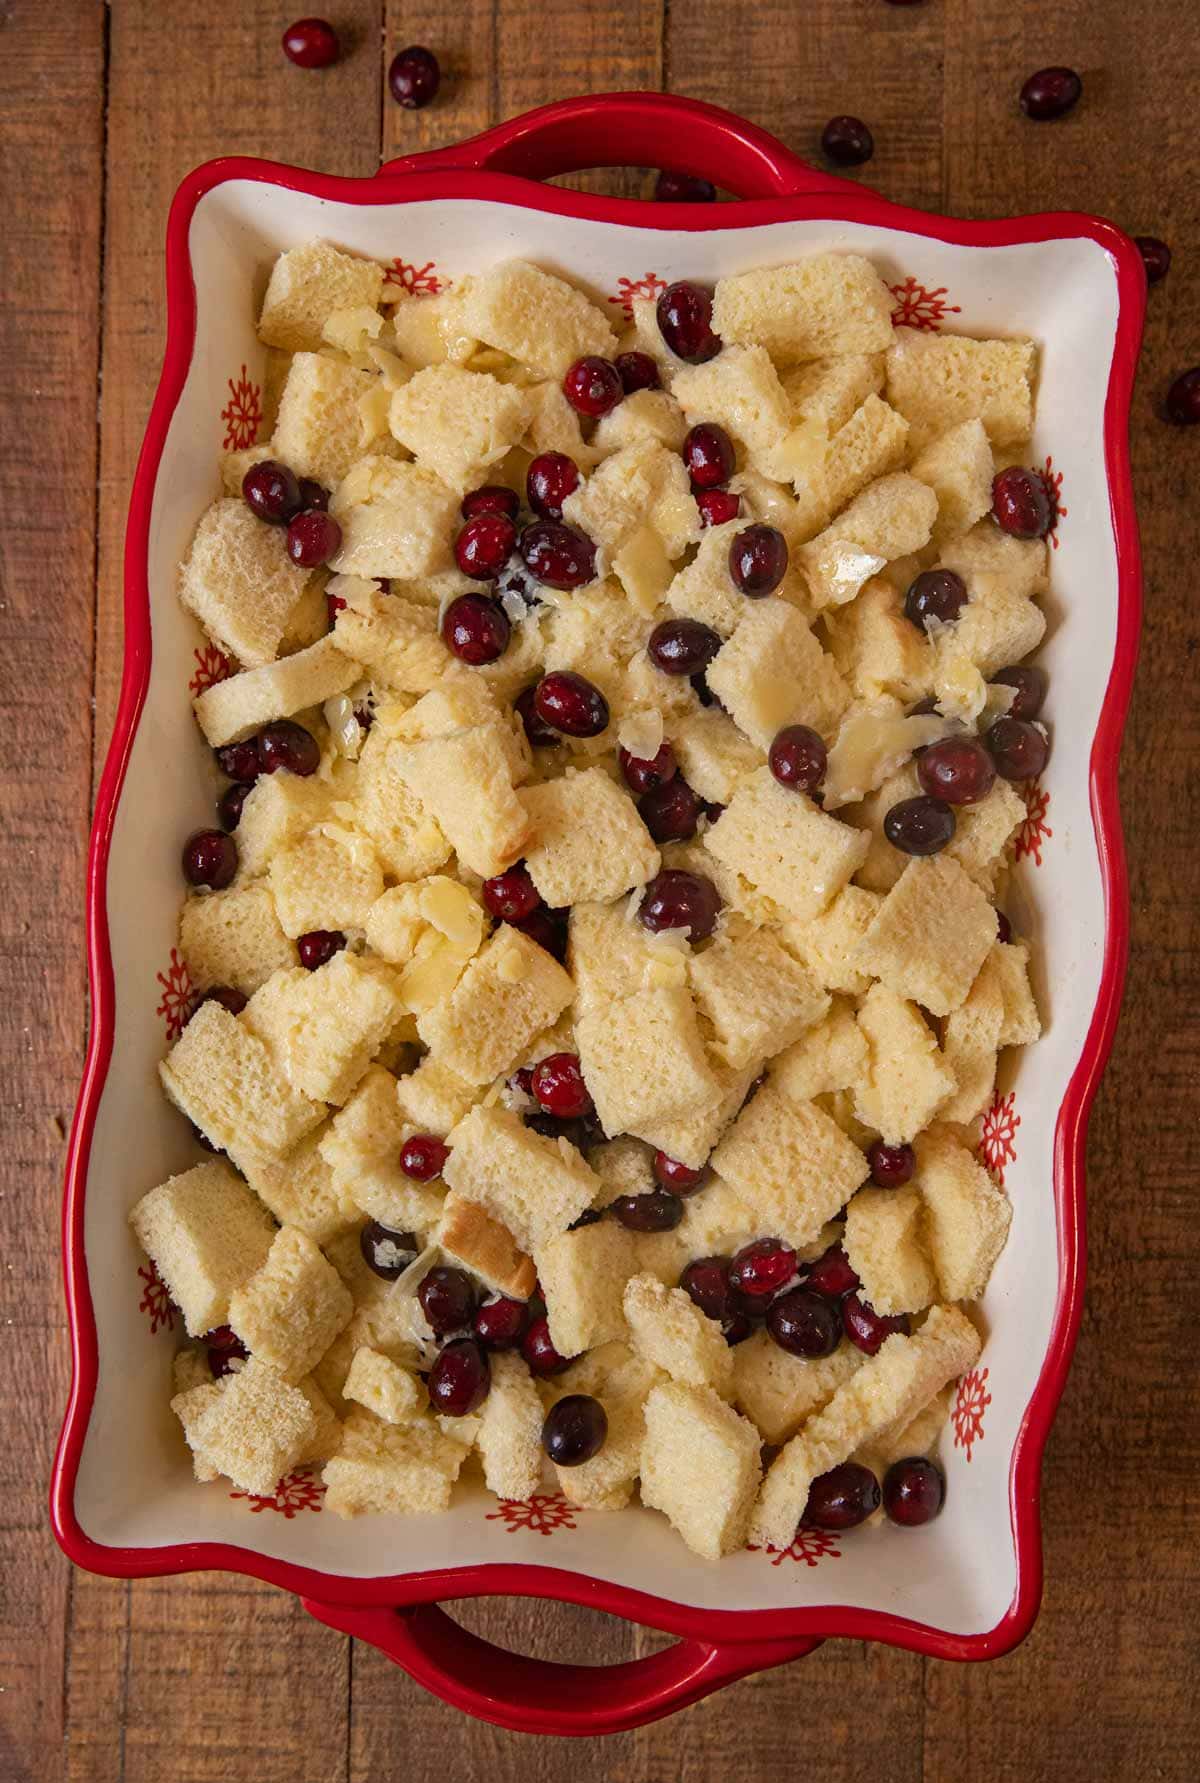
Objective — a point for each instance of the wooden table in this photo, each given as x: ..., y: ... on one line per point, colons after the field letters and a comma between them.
x: 216, y: 1678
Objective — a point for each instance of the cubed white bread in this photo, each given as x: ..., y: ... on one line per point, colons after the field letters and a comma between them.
x: 642, y: 415
x: 700, y: 1467
x: 643, y: 1059
x: 279, y: 809
x: 668, y: 1329
x: 868, y: 445
x: 361, y: 1149
x: 884, y: 1241
x: 890, y: 518
x: 393, y: 1393
x: 970, y: 1043
x: 918, y: 1437
x: 997, y: 626
x: 510, y: 1430
x: 327, y: 880
x: 809, y: 309
x: 690, y: 1137
x: 785, y: 846
x: 778, y: 1392
x: 641, y: 483
x: 876, y: 648
x: 585, y: 839
x: 828, y: 391
x: 233, y: 937
x: 426, y: 326
x: 741, y: 392
x: 827, y: 942
x: 938, y: 380
x: 773, y: 672
x: 189, y: 1403
x: 596, y: 633
x: 624, y: 1168
x: 1022, y: 1024
x: 325, y: 1027
x: 243, y: 703
x: 510, y: 992
x: 534, y: 1185
x: 240, y: 583
x: 830, y: 1056
x: 487, y: 1247
x: 756, y: 996
x: 406, y: 917
x: 966, y: 1216
x: 397, y: 1469
x: 205, y: 1233
x: 983, y: 831
x: 293, y: 1306
x: 958, y: 468
x: 433, y: 1098
x: 790, y: 1163
x: 457, y: 422
x: 302, y: 1191
x: 889, y: 1389
x: 1023, y: 563
x: 256, y: 1430
x: 905, y: 1080
x: 306, y: 286
x: 704, y: 588
x: 455, y: 705
x: 535, y: 317
x: 319, y: 428
x: 397, y: 640
x: 228, y: 1083
x: 397, y: 519
x: 582, y: 1275
x: 409, y: 842
x: 713, y: 754
x: 465, y: 781
x: 930, y: 935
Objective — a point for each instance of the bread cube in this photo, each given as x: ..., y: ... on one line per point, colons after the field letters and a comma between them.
x: 465, y: 782
x: 890, y: 519
x: 279, y: 809
x: 319, y: 431
x: 668, y: 1329
x: 1021, y: 562
x: 391, y: 1392
x: 691, y: 1136
x: 535, y: 1186
x: 397, y: 519
x: 256, y: 1430
x: 643, y: 482
x: 623, y: 1167
x: 397, y: 1469
x: 458, y: 422
x: 713, y: 754
x: 828, y: 391
x: 784, y: 845
x: 889, y: 1388
x: 408, y: 840
x: 642, y: 415
x: 233, y: 937
x: 361, y: 1148
x: 826, y: 943
x: 243, y: 703
x: 240, y: 582
x: 700, y: 1466
x: 906, y: 1080
x: 884, y: 1242
x: 983, y: 832
x: 327, y: 880
x: 396, y: 639
x: 958, y: 468
x: 301, y: 1190
x: 773, y: 672
x: 226, y: 1081
x: 535, y: 317
x: 292, y: 1307
x: 757, y: 997
x: 808, y: 309
x: 918, y: 1437
x: 456, y: 705
x: 790, y: 1163
x: 966, y: 1216
x: 970, y: 1044
x: 433, y: 1098
x: 508, y: 994
x: 876, y: 648
x: 643, y: 1058
x: 189, y: 1404
x: 582, y: 1276
x: 306, y: 286
x: 206, y: 1234
x: 778, y: 1392
x: 486, y: 1246
x: 997, y: 626
x: 868, y: 445
x: 933, y: 962
x: 510, y: 1430
x: 596, y: 632
x: 585, y: 839
x: 324, y: 1027
x: 741, y: 392
x: 427, y: 326
x: 830, y: 1056
x: 938, y: 380
x: 1021, y: 1024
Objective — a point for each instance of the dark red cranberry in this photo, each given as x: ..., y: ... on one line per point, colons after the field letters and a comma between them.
x: 684, y: 314
x: 549, y: 929
x: 681, y: 1178
x: 210, y: 858
x: 557, y: 555
x: 459, y: 1380
x: 670, y: 812
x: 1031, y: 684
x: 867, y: 1328
x: 842, y: 1498
x: 682, y: 646
x: 575, y: 1429
x: 957, y: 769
x: 414, y: 77
x: 891, y: 1165
x: 539, y: 1353
x: 313, y: 495
x: 1156, y: 257
x: 447, y: 1299
x: 936, y: 594
x: 240, y: 760
x: 484, y: 546
x: 706, y: 1280
x: 540, y: 735
x: 1021, y: 503
x: 1050, y: 93
x: 229, y: 805
x: 423, y: 1156
x: 385, y: 1251
x: 683, y: 188
x: 224, y: 1349
x: 655, y: 1211
x: 1004, y: 929
x: 229, y: 998
x: 319, y: 946
x: 643, y: 775
x: 522, y: 1080
x: 758, y: 560
x: 804, y: 1324
x: 288, y: 745
x: 831, y: 1274
x: 761, y: 1268
x: 558, y: 1085
x: 511, y: 896
x: 717, y: 506
x: 570, y: 704
x: 311, y: 43
x: 704, y: 692
x: 798, y: 758
x: 490, y: 498
x: 708, y: 455
x: 738, y: 1329
x: 313, y: 538
x: 675, y: 899
x: 502, y: 1323
x: 593, y: 386
x: 1020, y: 750
x: 913, y: 1491
x: 712, y: 810
x: 637, y: 371
x: 847, y: 142
x: 1183, y: 399
x: 920, y: 826
x: 475, y: 627
x: 271, y: 491
x: 551, y: 477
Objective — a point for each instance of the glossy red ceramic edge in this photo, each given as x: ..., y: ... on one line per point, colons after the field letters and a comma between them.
x: 762, y: 1637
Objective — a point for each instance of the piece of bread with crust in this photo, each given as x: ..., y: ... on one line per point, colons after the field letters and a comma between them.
x: 700, y: 1467
x: 668, y: 1329
x: 582, y: 1275
x: 307, y: 285
x: 509, y: 993
x: 240, y: 583
x: 290, y: 1310
x: 233, y: 938
x: 486, y: 1246
x: 206, y: 1234
x: 535, y: 1186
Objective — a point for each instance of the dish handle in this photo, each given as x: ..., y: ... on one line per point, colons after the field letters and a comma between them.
x: 541, y: 1695
x: 633, y: 130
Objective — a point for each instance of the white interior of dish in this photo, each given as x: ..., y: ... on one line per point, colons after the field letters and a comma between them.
x: 135, y: 1486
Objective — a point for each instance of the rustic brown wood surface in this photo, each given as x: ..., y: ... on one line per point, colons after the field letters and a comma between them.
x: 102, y: 110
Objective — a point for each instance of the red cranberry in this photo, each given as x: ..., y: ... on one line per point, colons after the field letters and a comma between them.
x: 511, y: 896
x: 682, y: 1178
x: 460, y: 1378
x: 657, y: 1210
x: 670, y: 812
x: 683, y: 188
x: 913, y: 1491
x: 936, y: 594
x: 551, y: 477
x: 642, y: 775
x: 490, y: 498
x: 593, y: 385
x: 548, y: 928
x: 575, y: 1429
x: 319, y: 946
x: 311, y: 43
x: 678, y: 900
x: 229, y: 998
x: 540, y: 1354
x: 313, y: 495
x: 522, y: 1079
x: 1004, y: 929
x: 804, y: 1324
x: 1156, y: 257
x: 706, y: 1280
x: 475, y: 627
x: 758, y: 560
x: 957, y: 769
x: 637, y: 371
x: 385, y: 1251
x: 1183, y: 399
x: 738, y: 1329
x: 798, y: 758
x: 761, y: 1268
x: 484, y: 546
x: 447, y: 1299
x: 210, y: 858
x: 239, y: 760
x: 1031, y: 684
x: 684, y: 314
x: 682, y: 646
x: 313, y: 538
x: 288, y: 745
x: 271, y: 491
x: 867, y: 1328
x: 558, y: 1085
x: 224, y: 1349
x: 891, y: 1165
x: 842, y: 1498
x: 847, y: 142
x: 570, y: 704
x: 414, y: 77
x: 708, y: 454
x: 831, y: 1274
x: 920, y: 826
x: 501, y: 1324
x: 718, y: 506
x: 1050, y: 93
x: 540, y: 735
x: 1021, y: 503
x: 229, y: 805
x: 423, y: 1156
x: 1020, y: 750
x: 557, y: 555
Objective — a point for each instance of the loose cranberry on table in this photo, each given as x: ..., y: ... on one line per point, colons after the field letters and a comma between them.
x: 708, y: 455
x: 1021, y: 504
x: 867, y: 1328
x: 1019, y: 749
x: 670, y: 812
x: 957, y: 769
x: 229, y: 805
x: 935, y: 594
x: 447, y: 1298
x: 557, y: 556
x: 548, y: 928
x: 644, y: 774
x: 229, y: 998
x: 1156, y: 257
x: 1183, y: 399
x: 920, y: 826
x: 240, y: 760
x: 540, y: 1354
x: 484, y: 546
x: 847, y: 141
x: 831, y: 1274
x: 804, y: 1324
x: 706, y: 1282
x: 288, y: 745
x: 551, y: 477
x: 798, y: 758
x: 655, y: 1211
x: 476, y: 628
x: 762, y: 1267
x: 593, y: 386
x: 913, y: 1491
x: 891, y: 1165
x: 683, y: 188
x: 682, y: 1179
x: 570, y: 704
x: 540, y: 735
x: 682, y: 646
x: 1050, y: 93
x: 1031, y: 685
x: 557, y: 1083
x: 511, y: 896
x: 842, y: 1498
x: 319, y: 946
x: 717, y: 506
x: 386, y: 1252
x: 637, y: 371
x: 423, y: 1156
x: 684, y: 313
x: 490, y: 498
x: 271, y: 491
x: 313, y: 537
x: 414, y: 77
x: 502, y: 1323
x: 675, y: 899
x: 575, y: 1429
x: 210, y: 858
x: 311, y: 43
x: 313, y: 495
x: 758, y: 560
x: 460, y: 1378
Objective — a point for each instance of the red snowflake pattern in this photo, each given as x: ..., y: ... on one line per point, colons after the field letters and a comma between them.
x: 997, y: 1146
x: 807, y: 1545
x: 212, y: 665
x: 418, y: 281
x: 242, y: 414
x: 544, y: 1513
x: 970, y: 1403
x: 297, y: 1491
x: 1053, y: 480
x: 919, y: 307
x: 1034, y: 830
x: 155, y: 1301
x: 649, y: 285
x: 178, y: 999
